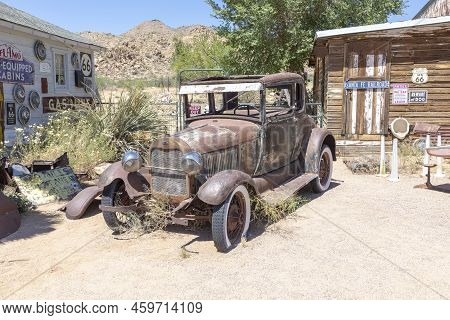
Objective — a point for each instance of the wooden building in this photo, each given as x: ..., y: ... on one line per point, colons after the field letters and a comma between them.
x: 43, y: 68
x: 434, y: 8
x: 367, y: 76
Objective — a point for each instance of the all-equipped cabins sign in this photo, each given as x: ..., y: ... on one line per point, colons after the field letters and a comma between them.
x: 13, y: 66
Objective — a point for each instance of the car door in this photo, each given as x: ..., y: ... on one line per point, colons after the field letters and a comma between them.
x: 279, y: 133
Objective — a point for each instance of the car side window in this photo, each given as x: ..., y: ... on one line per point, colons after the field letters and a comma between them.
x: 299, y: 96
x: 280, y: 97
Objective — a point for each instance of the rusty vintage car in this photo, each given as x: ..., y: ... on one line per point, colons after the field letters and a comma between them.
x: 243, y: 135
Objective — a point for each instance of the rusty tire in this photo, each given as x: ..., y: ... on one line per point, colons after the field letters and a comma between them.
x: 231, y: 219
x: 323, y: 181
x: 109, y: 198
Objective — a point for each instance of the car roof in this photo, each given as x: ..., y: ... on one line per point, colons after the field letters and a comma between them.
x: 266, y: 80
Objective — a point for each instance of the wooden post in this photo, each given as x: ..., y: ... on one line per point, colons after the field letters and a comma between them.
x: 382, y: 171
x: 439, y: 171
x: 394, y: 162
x: 426, y: 157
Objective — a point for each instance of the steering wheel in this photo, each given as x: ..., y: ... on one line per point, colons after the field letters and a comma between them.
x: 245, y: 105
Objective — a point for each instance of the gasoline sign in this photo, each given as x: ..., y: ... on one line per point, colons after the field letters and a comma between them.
x: 86, y: 64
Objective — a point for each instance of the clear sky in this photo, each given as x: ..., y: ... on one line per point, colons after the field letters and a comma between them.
x: 120, y: 16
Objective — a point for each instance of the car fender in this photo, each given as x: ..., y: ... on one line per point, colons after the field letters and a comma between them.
x: 318, y: 138
x: 136, y: 184
x: 217, y: 188
x: 77, y: 207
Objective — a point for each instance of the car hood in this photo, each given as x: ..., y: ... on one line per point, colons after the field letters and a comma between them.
x: 208, y: 135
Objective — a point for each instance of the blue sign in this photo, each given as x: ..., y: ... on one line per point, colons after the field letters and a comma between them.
x: 14, y: 71
x: 366, y: 85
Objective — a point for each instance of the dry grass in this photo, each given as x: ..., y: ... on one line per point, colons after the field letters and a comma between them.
x: 410, y: 158
x: 267, y: 213
x: 363, y: 165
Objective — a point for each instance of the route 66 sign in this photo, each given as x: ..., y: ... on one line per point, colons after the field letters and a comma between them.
x: 86, y: 64
x: 420, y: 75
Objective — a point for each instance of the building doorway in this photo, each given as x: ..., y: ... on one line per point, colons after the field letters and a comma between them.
x: 366, y: 109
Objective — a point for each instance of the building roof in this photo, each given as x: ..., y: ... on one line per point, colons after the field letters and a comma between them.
x: 12, y: 17
x: 381, y: 27
x: 425, y: 7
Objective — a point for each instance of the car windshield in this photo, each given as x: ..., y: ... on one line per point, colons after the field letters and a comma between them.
x: 245, y: 103
x: 237, y: 100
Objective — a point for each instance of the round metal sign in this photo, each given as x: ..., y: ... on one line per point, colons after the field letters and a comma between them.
x: 34, y: 99
x: 19, y: 93
x: 400, y: 128
x: 39, y: 50
x: 86, y: 64
x: 24, y: 115
x: 75, y: 60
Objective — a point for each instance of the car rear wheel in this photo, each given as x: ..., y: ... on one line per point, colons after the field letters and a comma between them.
x: 115, y: 195
x: 323, y: 181
x: 231, y: 219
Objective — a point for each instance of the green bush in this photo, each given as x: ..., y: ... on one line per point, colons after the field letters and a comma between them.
x: 92, y: 135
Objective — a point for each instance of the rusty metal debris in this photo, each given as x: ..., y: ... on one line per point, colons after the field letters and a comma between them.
x: 9, y: 216
x: 77, y: 207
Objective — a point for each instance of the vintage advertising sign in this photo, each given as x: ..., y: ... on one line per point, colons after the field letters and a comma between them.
x: 400, y: 93
x: 86, y: 64
x: 420, y: 75
x: 13, y: 67
x: 366, y: 85
x: 418, y: 96
x: 11, y: 113
x: 49, y: 186
x: 54, y: 104
x: 194, y: 110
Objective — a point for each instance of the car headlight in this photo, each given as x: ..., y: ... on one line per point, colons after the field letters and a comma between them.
x: 192, y: 162
x: 131, y: 161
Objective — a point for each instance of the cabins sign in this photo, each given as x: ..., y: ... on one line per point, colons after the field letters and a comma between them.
x: 366, y: 85
x: 13, y: 67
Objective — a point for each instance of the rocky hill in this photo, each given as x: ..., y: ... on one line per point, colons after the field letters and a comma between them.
x: 142, y: 52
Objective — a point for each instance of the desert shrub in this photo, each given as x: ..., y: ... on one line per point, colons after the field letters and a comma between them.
x: 410, y: 158
x: 92, y: 135
x: 268, y: 213
x: 363, y: 165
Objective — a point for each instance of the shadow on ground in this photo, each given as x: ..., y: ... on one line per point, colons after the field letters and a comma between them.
x: 256, y: 229
x: 33, y: 224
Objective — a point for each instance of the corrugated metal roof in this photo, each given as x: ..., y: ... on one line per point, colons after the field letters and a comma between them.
x: 382, y: 27
x: 24, y: 19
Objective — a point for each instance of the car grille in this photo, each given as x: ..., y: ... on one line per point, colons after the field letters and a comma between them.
x: 167, y: 176
x: 217, y: 161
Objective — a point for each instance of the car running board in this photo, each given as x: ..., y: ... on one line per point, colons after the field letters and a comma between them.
x: 286, y: 190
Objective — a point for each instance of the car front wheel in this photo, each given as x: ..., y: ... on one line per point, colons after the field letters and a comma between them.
x: 231, y: 219
x: 323, y: 181
x: 115, y: 195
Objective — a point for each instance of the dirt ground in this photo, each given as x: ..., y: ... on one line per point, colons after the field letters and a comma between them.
x: 366, y: 238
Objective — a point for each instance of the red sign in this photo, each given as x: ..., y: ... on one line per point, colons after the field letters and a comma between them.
x: 8, y: 51
x: 194, y: 110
